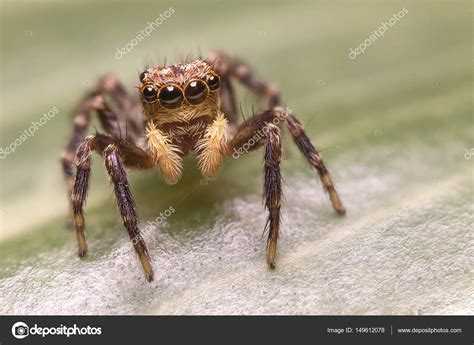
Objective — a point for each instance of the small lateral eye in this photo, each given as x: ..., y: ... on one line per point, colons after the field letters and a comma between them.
x: 149, y: 93
x: 171, y: 96
x: 143, y: 75
x: 213, y: 82
x: 196, y: 91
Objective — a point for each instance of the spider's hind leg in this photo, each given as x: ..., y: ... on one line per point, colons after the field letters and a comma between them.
x: 228, y: 104
x: 312, y: 155
x: 228, y: 66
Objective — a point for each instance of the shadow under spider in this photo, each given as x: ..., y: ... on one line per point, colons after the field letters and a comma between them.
x: 194, y: 198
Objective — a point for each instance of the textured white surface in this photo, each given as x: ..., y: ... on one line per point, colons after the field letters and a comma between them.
x: 403, y: 248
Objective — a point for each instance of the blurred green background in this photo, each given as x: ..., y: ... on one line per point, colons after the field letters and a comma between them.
x: 395, y: 126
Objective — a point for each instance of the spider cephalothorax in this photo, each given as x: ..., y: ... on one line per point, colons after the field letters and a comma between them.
x: 182, y: 109
x: 181, y: 105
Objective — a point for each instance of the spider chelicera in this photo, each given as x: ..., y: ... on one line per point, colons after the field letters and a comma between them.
x: 181, y: 109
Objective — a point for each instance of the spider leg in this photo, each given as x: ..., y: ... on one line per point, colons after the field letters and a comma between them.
x: 126, y: 205
x: 94, y: 101
x: 80, y: 188
x: 272, y: 189
x: 312, y: 155
x: 229, y: 66
x: 228, y: 104
x: 260, y: 131
x: 117, y: 154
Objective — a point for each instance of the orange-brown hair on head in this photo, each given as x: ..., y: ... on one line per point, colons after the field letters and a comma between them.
x: 179, y: 90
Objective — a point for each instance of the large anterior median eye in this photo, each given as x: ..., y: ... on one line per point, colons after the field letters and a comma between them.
x: 149, y: 93
x: 171, y: 96
x: 196, y: 91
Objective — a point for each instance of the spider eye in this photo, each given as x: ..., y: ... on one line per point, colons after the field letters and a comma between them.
x: 149, y: 93
x: 171, y: 96
x: 213, y: 82
x: 196, y: 91
x: 143, y: 75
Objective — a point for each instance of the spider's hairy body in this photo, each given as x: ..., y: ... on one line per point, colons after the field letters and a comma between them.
x: 172, y: 133
x: 186, y: 108
x: 180, y: 74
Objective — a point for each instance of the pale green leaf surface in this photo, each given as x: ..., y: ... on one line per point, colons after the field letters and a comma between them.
x: 394, y: 125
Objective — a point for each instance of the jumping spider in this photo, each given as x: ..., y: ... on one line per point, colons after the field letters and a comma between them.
x: 181, y: 109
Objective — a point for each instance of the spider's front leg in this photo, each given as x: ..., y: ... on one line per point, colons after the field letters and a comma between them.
x: 117, y: 154
x: 262, y: 132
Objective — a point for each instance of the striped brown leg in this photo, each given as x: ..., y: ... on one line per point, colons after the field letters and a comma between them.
x: 126, y: 119
x: 126, y: 205
x: 312, y: 155
x: 94, y: 101
x: 238, y: 69
x: 112, y: 150
x: 80, y: 188
x: 260, y: 131
x: 272, y: 189
x: 228, y: 104
x: 81, y: 122
x: 229, y: 66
